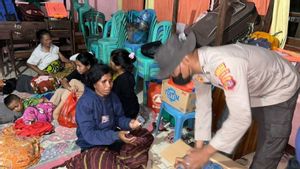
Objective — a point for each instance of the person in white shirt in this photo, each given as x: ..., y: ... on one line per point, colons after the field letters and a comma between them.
x: 45, y: 54
x: 258, y: 84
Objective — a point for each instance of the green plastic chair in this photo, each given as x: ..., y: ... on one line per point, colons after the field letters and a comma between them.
x: 132, y: 15
x: 114, y: 37
x: 81, y: 9
x: 147, y: 68
x: 94, y: 23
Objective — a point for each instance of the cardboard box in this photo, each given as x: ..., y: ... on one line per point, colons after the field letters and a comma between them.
x: 179, y: 149
x: 179, y: 99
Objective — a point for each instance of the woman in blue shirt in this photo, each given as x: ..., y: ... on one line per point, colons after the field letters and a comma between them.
x: 99, y: 113
x: 101, y: 123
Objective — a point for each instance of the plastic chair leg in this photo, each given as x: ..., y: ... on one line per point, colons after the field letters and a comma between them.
x: 178, y: 128
x: 191, y: 123
x: 95, y: 49
x: 158, y: 120
x: 145, y: 92
x: 136, y: 78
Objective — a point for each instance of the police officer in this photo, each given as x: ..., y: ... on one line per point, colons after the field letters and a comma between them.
x: 258, y: 84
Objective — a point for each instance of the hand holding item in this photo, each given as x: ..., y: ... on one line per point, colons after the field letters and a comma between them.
x: 134, y: 124
x: 195, y: 158
x: 127, y: 140
x: 180, y: 163
x: 43, y: 73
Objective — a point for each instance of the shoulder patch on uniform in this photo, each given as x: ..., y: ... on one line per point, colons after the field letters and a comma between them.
x: 226, y: 79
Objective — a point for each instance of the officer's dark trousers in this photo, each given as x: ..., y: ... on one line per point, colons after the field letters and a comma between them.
x: 274, y: 125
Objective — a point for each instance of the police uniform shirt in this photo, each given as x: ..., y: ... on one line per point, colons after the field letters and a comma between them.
x: 250, y: 77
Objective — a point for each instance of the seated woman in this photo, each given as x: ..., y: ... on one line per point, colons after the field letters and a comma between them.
x: 99, y: 115
x: 122, y: 64
x: 46, y: 58
x: 74, y: 82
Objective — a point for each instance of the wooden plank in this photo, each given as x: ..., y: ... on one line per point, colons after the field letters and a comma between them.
x: 61, y: 33
x: 293, y: 41
x: 59, y: 24
x: 292, y: 48
x: 6, y: 27
x: 295, y: 14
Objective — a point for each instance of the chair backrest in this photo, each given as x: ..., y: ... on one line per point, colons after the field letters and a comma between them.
x: 21, y: 39
x: 118, y: 23
x: 153, y: 17
x: 116, y: 28
x: 76, y: 4
x: 162, y: 31
x: 93, y: 20
x: 132, y: 15
x: 107, y: 29
x: 20, y: 47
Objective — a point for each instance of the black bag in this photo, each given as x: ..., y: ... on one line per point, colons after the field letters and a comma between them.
x: 10, y: 86
x: 30, y: 12
x: 8, y: 11
x: 242, y: 14
x: 149, y: 49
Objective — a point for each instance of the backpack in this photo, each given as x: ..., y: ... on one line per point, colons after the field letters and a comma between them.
x: 8, y: 11
x: 243, y: 14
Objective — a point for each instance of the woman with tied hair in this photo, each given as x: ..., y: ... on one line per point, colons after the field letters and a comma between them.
x: 122, y: 64
x: 74, y: 82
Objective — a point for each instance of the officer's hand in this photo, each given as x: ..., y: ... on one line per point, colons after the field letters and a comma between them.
x: 199, y: 144
x: 198, y: 157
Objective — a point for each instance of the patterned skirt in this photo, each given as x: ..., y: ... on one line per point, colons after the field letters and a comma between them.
x: 59, y: 69
x: 129, y: 156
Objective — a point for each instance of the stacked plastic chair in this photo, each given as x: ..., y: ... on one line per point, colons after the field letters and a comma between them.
x: 81, y: 9
x: 114, y: 36
x: 179, y: 116
x: 147, y: 68
x: 131, y: 16
x: 93, y: 26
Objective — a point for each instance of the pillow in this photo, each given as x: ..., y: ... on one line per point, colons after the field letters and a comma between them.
x: 6, y: 115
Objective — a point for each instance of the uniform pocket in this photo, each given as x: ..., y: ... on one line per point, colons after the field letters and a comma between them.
x: 280, y: 130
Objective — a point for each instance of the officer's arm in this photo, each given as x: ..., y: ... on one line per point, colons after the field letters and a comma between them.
x: 237, y: 99
x: 203, y: 113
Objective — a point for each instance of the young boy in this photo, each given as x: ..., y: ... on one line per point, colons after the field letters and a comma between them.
x: 32, y: 109
x: 16, y: 104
